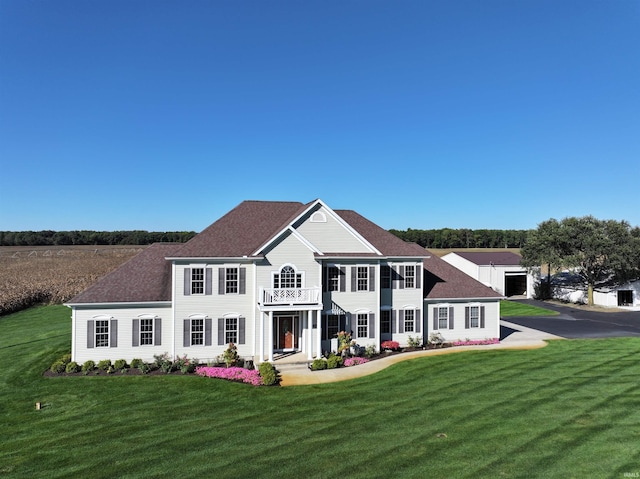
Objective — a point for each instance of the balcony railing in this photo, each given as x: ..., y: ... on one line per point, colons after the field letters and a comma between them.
x: 290, y: 296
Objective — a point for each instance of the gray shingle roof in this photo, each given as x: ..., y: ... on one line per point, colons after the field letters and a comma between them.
x: 247, y: 227
x: 144, y: 278
x: 387, y: 243
x: 242, y: 230
x: 484, y: 258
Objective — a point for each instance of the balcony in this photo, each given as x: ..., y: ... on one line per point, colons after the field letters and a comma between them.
x: 289, y: 296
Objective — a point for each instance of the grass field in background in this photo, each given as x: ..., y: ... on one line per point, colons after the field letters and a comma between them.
x: 571, y: 409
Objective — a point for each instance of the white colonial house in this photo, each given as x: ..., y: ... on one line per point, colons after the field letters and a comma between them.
x: 276, y: 277
x: 500, y: 270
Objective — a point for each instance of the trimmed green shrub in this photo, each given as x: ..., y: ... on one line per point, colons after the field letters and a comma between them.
x: 318, y: 364
x: 120, y: 365
x: 58, y: 366
x: 72, y: 367
x: 88, y: 366
x: 135, y: 363
x: 334, y: 362
x: 268, y: 374
x: 104, y: 364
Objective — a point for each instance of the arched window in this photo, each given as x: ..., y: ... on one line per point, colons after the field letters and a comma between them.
x: 287, y: 278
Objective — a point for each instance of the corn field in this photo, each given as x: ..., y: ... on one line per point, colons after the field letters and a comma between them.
x: 30, y: 275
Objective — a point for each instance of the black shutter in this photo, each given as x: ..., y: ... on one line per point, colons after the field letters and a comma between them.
x: 418, y: 319
x: 466, y: 317
x: 354, y: 278
x: 241, y: 329
x: 372, y: 325
x: 419, y: 272
x: 221, y: 280
x: 450, y: 317
x: 401, y: 285
x: 393, y: 321
x: 207, y: 281
x: 220, y: 331
x: 187, y: 281
x: 435, y: 319
x: 186, y: 333
x: 401, y: 321
x: 207, y: 332
x: 90, y: 333
x: 135, y: 338
x: 242, y: 279
x: 482, y: 316
x: 157, y: 331
x: 113, y: 334
x: 343, y: 278
x: 372, y: 278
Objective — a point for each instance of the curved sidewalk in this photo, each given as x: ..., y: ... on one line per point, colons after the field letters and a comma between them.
x: 520, y: 338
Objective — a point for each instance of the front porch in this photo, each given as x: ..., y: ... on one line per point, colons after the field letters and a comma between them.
x: 283, y: 333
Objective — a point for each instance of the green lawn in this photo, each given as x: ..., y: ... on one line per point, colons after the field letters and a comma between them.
x: 571, y: 409
x: 511, y: 308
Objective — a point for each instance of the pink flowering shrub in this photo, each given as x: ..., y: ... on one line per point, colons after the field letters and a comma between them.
x: 249, y: 376
x: 354, y: 361
x: 390, y: 345
x: 476, y: 342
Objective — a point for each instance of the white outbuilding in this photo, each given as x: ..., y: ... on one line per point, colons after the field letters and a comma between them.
x: 500, y: 270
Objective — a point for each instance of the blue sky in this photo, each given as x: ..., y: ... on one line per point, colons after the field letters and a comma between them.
x: 163, y: 115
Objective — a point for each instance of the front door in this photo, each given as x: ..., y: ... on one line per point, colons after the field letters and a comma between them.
x: 285, y: 333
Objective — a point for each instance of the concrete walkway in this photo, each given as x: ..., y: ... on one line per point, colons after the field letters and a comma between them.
x: 515, y: 337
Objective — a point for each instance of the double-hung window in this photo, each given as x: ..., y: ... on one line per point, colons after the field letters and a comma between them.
x: 333, y: 326
x: 443, y: 317
x: 362, y: 325
x: 409, y: 320
x: 197, y: 332
x: 474, y: 316
x: 362, y: 281
x: 409, y: 276
x: 231, y: 281
x: 333, y: 278
x: 102, y: 333
x: 146, y: 331
x: 231, y: 330
x: 385, y: 321
x: 197, y: 280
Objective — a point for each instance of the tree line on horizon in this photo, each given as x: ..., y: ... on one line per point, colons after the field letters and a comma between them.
x: 86, y: 237
x: 446, y: 238
x: 433, y: 238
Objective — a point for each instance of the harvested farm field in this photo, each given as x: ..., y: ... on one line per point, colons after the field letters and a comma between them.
x: 31, y: 275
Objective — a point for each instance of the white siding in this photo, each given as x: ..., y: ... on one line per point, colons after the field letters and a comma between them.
x: 124, y: 350
x: 331, y: 236
x: 459, y: 332
x: 213, y: 306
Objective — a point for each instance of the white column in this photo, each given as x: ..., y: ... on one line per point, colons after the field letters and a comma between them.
x: 261, y: 337
x: 319, y: 334
x: 310, y: 335
x: 270, y: 337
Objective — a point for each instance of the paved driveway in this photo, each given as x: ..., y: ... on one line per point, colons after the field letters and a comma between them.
x: 575, y: 323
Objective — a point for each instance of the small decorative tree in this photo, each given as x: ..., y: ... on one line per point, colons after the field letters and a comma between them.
x: 231, y: 355
x: 344, y: 342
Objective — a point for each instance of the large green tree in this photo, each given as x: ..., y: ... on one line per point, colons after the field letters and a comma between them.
x: 599, y: 251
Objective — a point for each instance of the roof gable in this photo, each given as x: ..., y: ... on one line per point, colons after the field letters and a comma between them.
x: 486, y: 258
